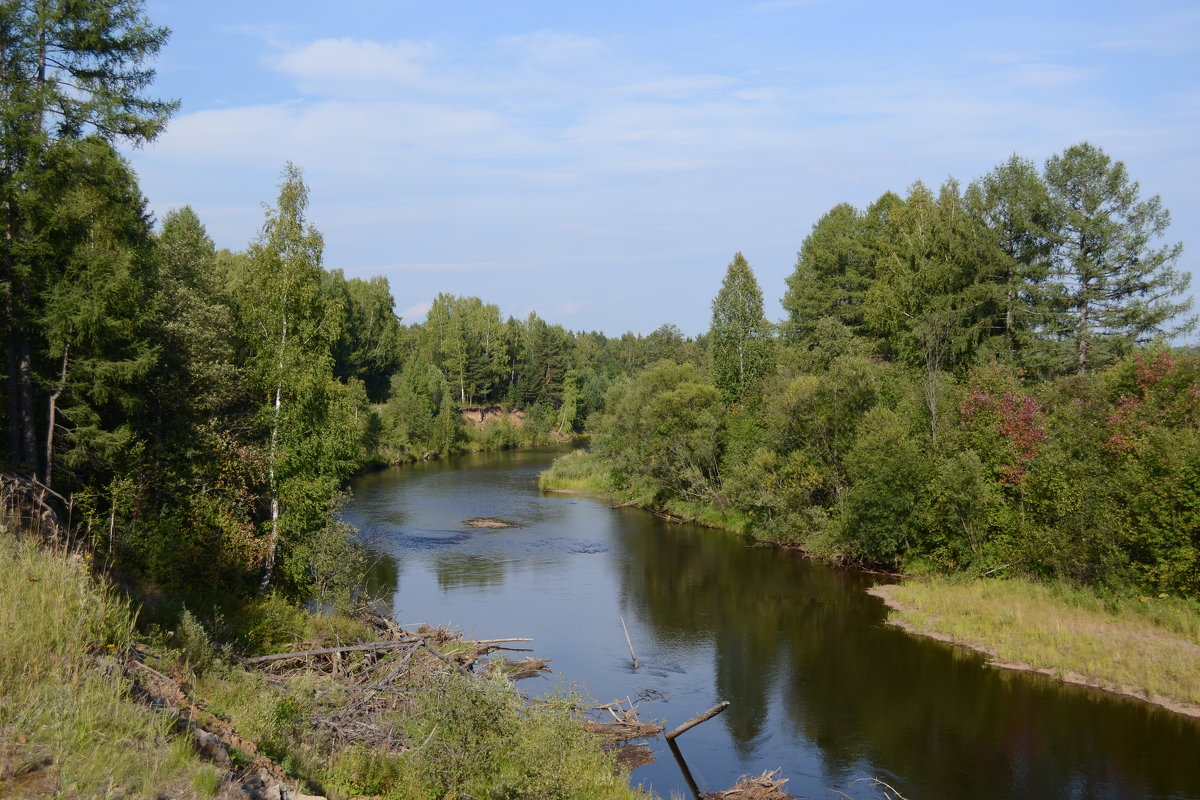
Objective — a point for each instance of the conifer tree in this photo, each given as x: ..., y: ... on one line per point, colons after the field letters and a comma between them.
x: 1119, y: 286
x: 67, y: 70
x: 1013, y: 203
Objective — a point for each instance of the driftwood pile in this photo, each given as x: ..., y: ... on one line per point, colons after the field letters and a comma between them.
x: 762, y: 787
x: 621, y: 723
x: 360, y: 684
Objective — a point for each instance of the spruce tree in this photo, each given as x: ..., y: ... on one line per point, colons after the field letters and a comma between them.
x: 67, y: 70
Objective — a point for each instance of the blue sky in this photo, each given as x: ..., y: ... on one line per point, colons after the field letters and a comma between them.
x: 600, y: 163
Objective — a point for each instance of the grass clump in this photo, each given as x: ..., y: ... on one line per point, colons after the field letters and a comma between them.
x: 1138, y: 645
x: 578, y: 471
x: 68, y: 727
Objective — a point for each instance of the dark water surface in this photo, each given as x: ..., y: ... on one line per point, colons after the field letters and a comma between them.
x: 818, y: 685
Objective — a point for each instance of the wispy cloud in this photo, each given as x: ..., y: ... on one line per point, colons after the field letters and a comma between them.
x: 1042, y: 74
x: 553, y: 48
x: 354, y: 66
x: 415, y: 313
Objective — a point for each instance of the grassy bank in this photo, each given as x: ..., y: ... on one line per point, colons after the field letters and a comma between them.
x: 1143, y: 647
x: 585, y: 473
x: 399, y: 722
x: 68, y: 726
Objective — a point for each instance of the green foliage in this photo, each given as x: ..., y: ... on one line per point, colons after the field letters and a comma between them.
x: 663, y: 431
x: 71, y: 72
x: 888, y: 470
x: 1116, y: 286
x: 195, y: 645
x: 740, y: 344
x: 833, y: 270
x: 267, y: 624
x: 579, y: 471
x: 368, y: 348
x: 1012, y: 201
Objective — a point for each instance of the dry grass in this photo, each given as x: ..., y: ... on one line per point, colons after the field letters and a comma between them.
x: 1144, y: 647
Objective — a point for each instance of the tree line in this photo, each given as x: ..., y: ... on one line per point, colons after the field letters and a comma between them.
x: 198, y: 411
x: 966, y: 379
x: 978, y: 380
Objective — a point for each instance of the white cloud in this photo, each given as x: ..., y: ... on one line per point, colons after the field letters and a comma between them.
x: 551, y: 48
x: 415, y: 313
x: 355, y: 66
x: 676, y: 87
x: 567, y: 307
x: 352, y: 135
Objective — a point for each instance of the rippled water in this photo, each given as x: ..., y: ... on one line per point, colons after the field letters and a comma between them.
x: 818, y: 685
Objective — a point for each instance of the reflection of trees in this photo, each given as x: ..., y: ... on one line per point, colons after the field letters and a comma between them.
x: 877, y: 701
x: 463, y: 570
x: 383, y: 576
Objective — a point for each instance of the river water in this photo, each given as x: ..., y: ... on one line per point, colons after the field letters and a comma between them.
x: 817, y: 684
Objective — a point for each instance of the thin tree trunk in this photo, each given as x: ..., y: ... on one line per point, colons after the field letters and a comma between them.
x: 273, y: 541
x: 25, y: 418
x: 62, y: 385
x: 1083, y: 336
x: 22, y: 416
x: 1008, y: 319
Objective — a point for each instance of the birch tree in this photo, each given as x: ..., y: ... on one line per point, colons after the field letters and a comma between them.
x: 740, y: 341
x: 292, y: 326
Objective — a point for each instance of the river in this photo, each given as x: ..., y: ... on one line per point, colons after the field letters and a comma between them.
x: 817, y: 683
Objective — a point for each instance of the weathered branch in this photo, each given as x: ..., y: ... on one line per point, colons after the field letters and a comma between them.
x: 696, y: 720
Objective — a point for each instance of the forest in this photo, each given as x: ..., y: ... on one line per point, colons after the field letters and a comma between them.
x: 985, y: 379
x: 990, y: 380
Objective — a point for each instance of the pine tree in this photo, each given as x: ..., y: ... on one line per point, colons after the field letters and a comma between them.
x: 1118, y: 287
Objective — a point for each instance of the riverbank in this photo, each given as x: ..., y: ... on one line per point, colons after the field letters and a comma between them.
x: 1147, y: 648
x: 91, y: 706
x: 583, y: 473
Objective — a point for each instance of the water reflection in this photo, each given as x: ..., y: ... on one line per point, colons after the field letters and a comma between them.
x: 817, y: 684
x: 457, y: 571
x: 793, y: 635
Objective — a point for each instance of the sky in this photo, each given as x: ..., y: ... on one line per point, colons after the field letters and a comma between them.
x: 601, y: 163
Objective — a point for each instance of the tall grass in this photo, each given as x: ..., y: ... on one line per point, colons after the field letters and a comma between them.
x: 67, y: 725
x: 579, y: 471
x: 1150, y: 644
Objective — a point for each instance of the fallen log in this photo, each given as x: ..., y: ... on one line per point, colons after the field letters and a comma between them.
x: 696, y: 720
x: 369, y: 647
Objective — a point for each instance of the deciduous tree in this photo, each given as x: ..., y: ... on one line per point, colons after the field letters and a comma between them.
x: 740, y: 344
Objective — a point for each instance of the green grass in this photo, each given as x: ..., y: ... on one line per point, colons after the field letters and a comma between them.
x: 1148, y: 644
x: 579, y: 471
x: 67, y: 726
